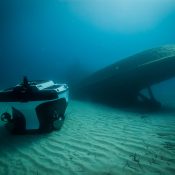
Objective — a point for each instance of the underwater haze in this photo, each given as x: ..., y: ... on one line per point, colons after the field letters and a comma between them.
x: 61, y: 39
x: 66, y: 41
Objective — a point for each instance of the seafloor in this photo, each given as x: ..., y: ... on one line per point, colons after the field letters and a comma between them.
x: 95, y: 140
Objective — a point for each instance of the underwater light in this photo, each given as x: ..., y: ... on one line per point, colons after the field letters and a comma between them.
x: 123, y: 15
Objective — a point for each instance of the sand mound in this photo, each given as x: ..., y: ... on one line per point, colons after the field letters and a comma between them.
x: 94, y: 140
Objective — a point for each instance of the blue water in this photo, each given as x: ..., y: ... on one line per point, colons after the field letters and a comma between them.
x: 66, y: 40
x: 58, y: 39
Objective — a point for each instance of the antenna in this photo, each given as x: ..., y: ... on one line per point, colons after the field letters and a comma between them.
x: 25, y: 82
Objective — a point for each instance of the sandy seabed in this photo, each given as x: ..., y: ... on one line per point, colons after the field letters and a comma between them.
x: 95, y: 140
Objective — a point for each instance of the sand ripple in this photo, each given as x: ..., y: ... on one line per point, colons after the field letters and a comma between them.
x: 94, y: 140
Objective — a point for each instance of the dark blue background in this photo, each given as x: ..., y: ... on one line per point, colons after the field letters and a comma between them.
x: 51, y: 39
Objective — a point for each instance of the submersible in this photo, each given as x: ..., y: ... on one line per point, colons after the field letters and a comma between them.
x: 34, y: 106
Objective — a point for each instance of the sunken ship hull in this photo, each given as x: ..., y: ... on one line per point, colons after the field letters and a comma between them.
x: 122, y: 81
